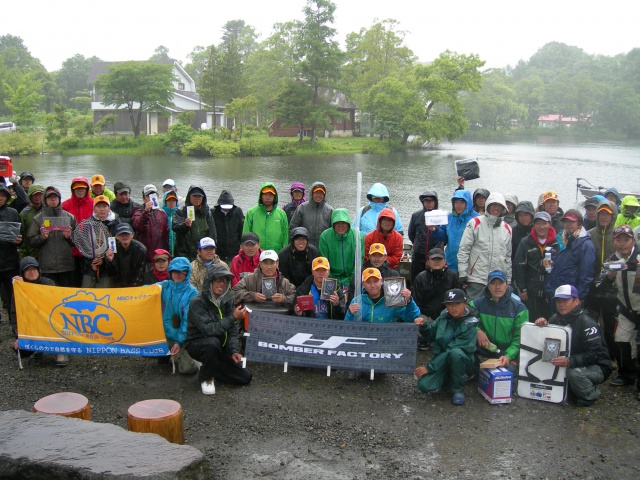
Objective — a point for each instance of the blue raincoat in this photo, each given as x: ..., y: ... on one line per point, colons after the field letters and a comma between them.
x: 175, y: 301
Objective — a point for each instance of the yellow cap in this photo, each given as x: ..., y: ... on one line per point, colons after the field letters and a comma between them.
x: 101, y: 198
x: 371, y: 272
x: 97, y: 179
x: 377, y: 248
x: 320, y: 262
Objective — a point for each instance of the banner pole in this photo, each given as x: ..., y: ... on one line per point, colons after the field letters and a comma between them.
x: 358, y: 259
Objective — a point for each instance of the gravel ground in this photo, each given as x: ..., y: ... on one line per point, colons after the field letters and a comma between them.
x: 301, y: 423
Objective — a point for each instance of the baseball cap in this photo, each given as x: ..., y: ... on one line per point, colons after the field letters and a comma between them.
x: 319, y: 262
x: 51, y: 191
x: 149, y: 189
x: 571, y: 215
x: 549, y: 195
x: 30, y: 264
x: 169, y: 183
x: 122, y: 228
x: 436, y: 253
x: 497, y: 274
x: 79, y: 184
x: 249, y: 237
x: 542, y: 216
x: 196, y: 191
x: 159, y: 252
x: 605, y: 208
x: 622, y: 230
x: 97, y: 180
x: 99, y: 199
x: 120, y: 187
x: 269, y: 255
x: 171, y: 195
x: 377, y: 248
x: 206, y: 242
x: 371, y: 272
x: 319, y: 188
x: 566, y: 291
x: 455, y: 296
x: 268, y: 190
x: 25, y: 174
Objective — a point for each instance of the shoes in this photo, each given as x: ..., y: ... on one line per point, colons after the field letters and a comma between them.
x: 424, y: 345
x: 581, y: 402
x: 458, y: 399
x: 62, y: 360
x: 620, y: 382
x: 208, y: 387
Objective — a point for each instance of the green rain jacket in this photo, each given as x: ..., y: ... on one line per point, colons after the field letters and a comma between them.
x: 447, y: 333
x: 271, y: 227
x: 340, y: 250
x: 625, y: 217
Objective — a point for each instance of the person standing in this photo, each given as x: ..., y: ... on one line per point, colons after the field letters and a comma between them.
x: 9, y: 259
x: 123, y: 206
x: 150, y: 223
x: 314, y: 214
x: 55, y: 247
x: 378, y: 197
x: 188, y: 231
x: 206, y: 257
x: 98, y: 187
x: 127, y: 265
x: 338, y: 245
x: 298, y: 197
x: 424, y: 238
x: 229, y: 220
x: 387, y: 236
x: 296, y: 259
x: 80, y: 205
x: 36, y: 197
x: 267, y: 220
x: 574, y: 263
x: 461, y: 212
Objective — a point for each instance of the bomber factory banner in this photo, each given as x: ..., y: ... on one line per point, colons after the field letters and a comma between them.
x: 122, y: 321
x: 305, y: 342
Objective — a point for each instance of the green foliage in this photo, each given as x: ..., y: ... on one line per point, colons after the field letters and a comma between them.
x: 211, y: 89
x: 150, y: 85
x: 65, y: 144
x: 82, y: 126
x: 61, y: 119
x: 375, y: 147
x: 23, y: 101
x: 223, y: 148
x: 15, y: 144
x: 71, y: 79
x: 178, y: 135
x: 186, y: 117
x: 241, y: 110
x: 271, y: 147
x: 107, y: 122
x: 198, y: 146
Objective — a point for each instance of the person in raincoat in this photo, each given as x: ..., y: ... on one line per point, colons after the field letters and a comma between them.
x: 267, y: 220
x: 461, y: 212
x: 188, y: 231
x: 378, y: 197
x: 177, y: 293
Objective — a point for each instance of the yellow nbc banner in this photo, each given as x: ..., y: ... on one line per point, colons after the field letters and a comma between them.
x: 113, y: 321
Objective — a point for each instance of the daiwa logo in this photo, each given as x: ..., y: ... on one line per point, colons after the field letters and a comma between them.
x: 85, y: 318
x: 305, y: 340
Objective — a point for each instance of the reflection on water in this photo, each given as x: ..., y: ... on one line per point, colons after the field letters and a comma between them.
x: 524, y: 169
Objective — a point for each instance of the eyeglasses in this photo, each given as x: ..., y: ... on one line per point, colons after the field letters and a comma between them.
x: 160, y: 260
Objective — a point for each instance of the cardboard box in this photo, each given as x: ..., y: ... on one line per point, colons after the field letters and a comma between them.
x: 495, y: 384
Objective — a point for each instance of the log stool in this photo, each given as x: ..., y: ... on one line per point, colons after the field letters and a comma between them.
x: 162, y: 417
x: 66, y: 404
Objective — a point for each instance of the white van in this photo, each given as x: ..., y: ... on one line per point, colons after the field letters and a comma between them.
x: 8, y: 127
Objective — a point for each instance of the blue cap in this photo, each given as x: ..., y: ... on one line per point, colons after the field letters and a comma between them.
x: 566, y: 291
x: 497, y: 274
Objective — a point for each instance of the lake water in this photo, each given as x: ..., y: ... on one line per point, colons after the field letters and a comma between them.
x: 523, y: 169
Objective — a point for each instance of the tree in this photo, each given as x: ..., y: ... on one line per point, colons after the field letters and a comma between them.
x: 238, y: 42
x: 374, y: 54
x: 195, y: 67
x: 442, y: 83
x: 72, y: 77
x: 294, y: 105
x: 137, y: 87
x: 161, y: 55
x: 23, y: 101
x: 319, y: 59
x: 210, y: 91
x: 241, y: 109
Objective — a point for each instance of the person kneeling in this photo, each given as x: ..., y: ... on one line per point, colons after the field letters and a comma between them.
x: 588, y: 363
x: 453, y: 337
x: 212, y: 332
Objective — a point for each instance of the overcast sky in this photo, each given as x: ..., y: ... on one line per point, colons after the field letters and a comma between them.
x: 501, y: 32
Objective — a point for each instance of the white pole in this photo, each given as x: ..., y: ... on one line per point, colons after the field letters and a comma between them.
x: 358, y: 262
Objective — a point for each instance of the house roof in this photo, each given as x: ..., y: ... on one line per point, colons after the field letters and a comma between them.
x: 556, y: 118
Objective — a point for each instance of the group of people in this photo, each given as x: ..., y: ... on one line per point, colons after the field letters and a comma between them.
x: 496, y: 264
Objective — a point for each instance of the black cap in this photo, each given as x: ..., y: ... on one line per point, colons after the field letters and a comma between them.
x: 123, y: 228
x: 436, y: 253
x: 455, y: 296
x: 249, y: 237
x: 25, y: 174
x: 120, y: 187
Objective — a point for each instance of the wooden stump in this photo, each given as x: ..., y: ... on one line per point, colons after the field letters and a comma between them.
x: 162, y: 417
x: 66, y: 404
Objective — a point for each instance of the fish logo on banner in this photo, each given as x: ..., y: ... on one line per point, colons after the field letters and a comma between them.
x: 85, y: 318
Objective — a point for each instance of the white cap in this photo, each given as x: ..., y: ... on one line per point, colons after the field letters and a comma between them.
x: 149, y: 189
x: 169, y: 182
x: 206, y: 242
x: 269, y: 255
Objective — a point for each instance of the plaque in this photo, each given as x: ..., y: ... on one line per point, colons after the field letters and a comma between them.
x: 305, y: 302
x: 269, y: 287
x: 329, y: 285
x: 393, y: 292
x: 551, y: 349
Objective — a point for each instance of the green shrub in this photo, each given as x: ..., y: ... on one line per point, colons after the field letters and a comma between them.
x: 20, y: 143
x: 198, y: 146
x: 375, y: 146
x: 178, y: 135
x: 221, y: 148
x: 67, y: 143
